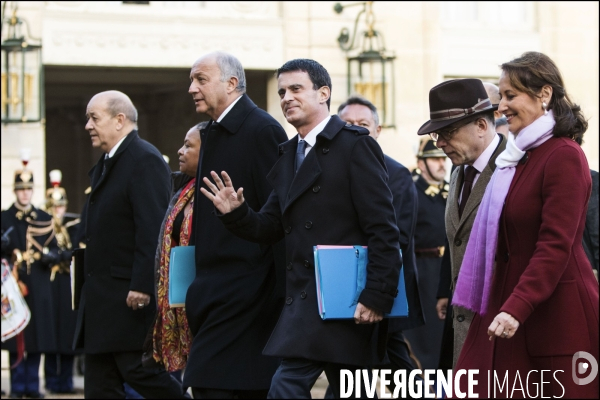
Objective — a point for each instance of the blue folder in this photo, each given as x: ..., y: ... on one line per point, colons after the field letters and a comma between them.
x: 341, y: 272
x: 182, y: 272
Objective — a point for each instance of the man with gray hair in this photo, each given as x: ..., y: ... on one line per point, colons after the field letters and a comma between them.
x: 234, y: 302
x: 130, y: 194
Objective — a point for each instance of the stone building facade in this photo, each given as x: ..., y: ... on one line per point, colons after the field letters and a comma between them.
x: 146, y: 50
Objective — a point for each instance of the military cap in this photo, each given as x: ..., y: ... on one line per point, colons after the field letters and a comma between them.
x: 428, y: 149
x: 56, y: 195
x: 24, y: 177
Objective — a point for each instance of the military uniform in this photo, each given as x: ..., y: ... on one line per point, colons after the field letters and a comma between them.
x: 32, y: 237
x: 430, y: 236
x: 58, y: 366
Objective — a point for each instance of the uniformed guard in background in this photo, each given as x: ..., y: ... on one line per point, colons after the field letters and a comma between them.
x: 33, y: 240
x: 58, y: 366
x: 430, y: 235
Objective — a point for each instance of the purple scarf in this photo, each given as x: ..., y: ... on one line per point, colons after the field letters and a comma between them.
x: 475, y: 276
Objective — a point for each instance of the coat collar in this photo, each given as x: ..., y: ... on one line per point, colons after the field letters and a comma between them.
x: 478, y: 190
x: 95, y: 174
x: 235, y: 118
x: 288, y: 185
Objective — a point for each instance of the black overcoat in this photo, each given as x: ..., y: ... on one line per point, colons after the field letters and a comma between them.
x: 233, y: 304
x: 340, y: 196
x: 124, y: 211
x: 40, y: 334
x: 406, y: 205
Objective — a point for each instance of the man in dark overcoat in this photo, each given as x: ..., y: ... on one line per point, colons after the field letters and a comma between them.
x: 430, y: 235
x: 233, y: 304
x: 361, y: 112
x: 33, y: 245
x: 330, y: 187
x: 129, y: 197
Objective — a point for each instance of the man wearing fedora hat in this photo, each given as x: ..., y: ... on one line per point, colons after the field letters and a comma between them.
x: 462, y: 124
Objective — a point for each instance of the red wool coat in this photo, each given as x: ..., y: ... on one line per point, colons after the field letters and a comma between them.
x: 543, y: 279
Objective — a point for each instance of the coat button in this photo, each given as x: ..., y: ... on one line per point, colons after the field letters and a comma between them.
x: 289, y: 301
x: 92, y: 201
x: 88, y: 239
x: 308, y: 224
x: 288, y: 229
x: 460, y: 317
x: 457, y: 242
x: 325, y: 150
x: 307, y: 263
x: 316, y: 188
x: 303, y: 294
x: 289, y: 266
x: 506, y: 257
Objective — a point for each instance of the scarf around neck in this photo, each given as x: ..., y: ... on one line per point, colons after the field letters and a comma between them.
x: 475, y: 276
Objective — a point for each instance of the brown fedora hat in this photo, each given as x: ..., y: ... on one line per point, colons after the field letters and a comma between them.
x: 455, y: 100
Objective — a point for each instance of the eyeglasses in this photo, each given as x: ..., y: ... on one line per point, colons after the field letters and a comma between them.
x: 446, y: 134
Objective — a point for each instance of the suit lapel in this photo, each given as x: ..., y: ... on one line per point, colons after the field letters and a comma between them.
x: 96, y: 175
x: 481, y: 184
x: 307, y: 174
x: 310, y: 170
x: 453, y: 197
x: 282, y: 174
x: 477, y: 192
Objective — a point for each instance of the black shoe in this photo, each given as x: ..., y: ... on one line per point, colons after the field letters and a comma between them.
x: 34, y: 395
x: 15, y: 395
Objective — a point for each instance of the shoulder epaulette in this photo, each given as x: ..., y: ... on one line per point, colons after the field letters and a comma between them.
x: 358, y: 130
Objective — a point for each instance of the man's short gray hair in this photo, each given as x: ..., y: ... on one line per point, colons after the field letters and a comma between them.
x: 230, y: 66
x: 121, y: 104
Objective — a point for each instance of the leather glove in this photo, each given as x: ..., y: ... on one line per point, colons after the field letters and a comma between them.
x: 50, y: 258
x: 5, y: 243
x: 65, y: 255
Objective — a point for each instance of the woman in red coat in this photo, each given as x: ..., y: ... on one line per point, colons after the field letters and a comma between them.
x: 525, y: 272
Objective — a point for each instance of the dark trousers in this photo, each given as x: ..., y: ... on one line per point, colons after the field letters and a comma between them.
x: 106, y: 373
x: 206, y: 393
x: 399, y: 356
x: 58, y: 371
x: 400, y: 359
x: 447, y: 352
x: 295, y: 377
x: 25, y: 378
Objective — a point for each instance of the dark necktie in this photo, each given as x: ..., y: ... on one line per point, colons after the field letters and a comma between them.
x: 300, y: 154
x: 470, y: 173
x: 104, y: 164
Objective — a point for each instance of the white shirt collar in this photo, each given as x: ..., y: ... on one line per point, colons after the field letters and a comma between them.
x: 311, y: 137
x: 224, y: 113
x: 115, y: 147
x: 483, y: 160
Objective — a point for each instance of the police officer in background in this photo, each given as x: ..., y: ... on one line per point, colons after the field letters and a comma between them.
x: 430, y: 235
x: 33, y: 242
x: 58, y: 366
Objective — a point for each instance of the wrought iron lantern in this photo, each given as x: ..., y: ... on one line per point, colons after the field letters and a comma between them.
x: 22, y: 73
x: 371, y: 71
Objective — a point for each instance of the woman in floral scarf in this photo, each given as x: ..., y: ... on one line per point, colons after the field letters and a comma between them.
x: 171, y: 337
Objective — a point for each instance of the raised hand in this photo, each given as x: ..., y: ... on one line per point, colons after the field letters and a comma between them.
x: 223, y: 196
